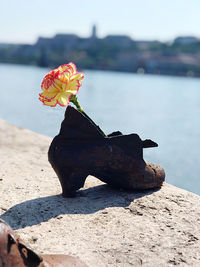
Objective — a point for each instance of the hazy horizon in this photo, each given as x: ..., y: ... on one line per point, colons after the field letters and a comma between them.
x: 23, y: 22
x: 100, y: 37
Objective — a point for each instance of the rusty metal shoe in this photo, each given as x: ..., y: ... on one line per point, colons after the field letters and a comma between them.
x: 15, y: 253
x: 80, y: 150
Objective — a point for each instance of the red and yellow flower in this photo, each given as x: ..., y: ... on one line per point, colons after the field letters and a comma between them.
x: 60, y: 84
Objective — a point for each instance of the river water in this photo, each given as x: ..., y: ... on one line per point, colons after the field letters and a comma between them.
x: 164, y: 109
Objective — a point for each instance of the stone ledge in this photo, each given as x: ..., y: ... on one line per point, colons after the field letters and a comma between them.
x: 103, y: 226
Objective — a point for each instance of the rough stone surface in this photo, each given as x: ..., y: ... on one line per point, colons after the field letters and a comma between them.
x: 103, y: 226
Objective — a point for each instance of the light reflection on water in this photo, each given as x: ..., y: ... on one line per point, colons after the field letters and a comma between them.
x: 165, y: 109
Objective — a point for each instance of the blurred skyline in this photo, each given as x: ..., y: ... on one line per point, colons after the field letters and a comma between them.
x: 24, y: 21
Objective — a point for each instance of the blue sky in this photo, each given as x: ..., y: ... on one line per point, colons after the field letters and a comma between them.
x: 23, y: 21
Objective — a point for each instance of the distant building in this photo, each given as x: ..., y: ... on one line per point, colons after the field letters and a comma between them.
x: 112, y: 52
x: 119, y: 40
x: 185, y: 40
x: 94, y: 32
x: 145, y: 44
x: 59, y: 41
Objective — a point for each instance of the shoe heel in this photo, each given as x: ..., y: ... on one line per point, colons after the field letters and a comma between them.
x: 71, y: 181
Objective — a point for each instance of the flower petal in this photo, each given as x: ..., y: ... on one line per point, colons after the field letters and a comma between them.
x: 60, y: 84
x: 78, y: 76
x: 74, y: 83
x: 70, y: 68
x: 51, y: 103
x: 73, y: 87
x: 63, y: 98
x: 48, y: 95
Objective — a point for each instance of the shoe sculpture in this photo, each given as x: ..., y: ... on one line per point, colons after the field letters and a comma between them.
x: 14, y: 253
x: 80, y: 150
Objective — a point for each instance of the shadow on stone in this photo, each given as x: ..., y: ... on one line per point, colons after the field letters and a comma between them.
x: 88, y: 201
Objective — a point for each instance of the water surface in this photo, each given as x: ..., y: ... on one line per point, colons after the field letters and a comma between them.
x: 164, y: 109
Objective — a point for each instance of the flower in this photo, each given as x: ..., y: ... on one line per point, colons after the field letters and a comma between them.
x: 60, y: 84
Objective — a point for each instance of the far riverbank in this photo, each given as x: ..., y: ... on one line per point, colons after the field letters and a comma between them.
x: 180, y: 57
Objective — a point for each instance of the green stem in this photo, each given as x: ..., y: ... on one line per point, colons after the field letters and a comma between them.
x: 93, y: 123
x: 74, y: 100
